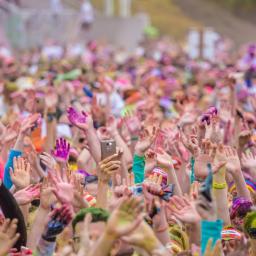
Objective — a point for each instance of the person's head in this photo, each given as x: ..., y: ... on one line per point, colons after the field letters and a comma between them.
x: 240, y: 207
x: 230, y: 236
x: 91, y: 184
x: 250, y: 224
x: 95, y: 228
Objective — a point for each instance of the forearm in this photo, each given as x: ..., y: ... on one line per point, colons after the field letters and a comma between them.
x: 241, y: 188
x: 222, y: 205
x: 25, y: 211
x: 253, y: 173
x: 253, y: 247
x: 19, y: 142
x: 37, y: 227
x: 127, y: 155
x: 161, y: 228
x: 94, y: 144
x: 221, y: 197
x: 183, y: 179
x: 45, y: 248
x: 172, y: 179
x: 195, y: 234
x: 50, y: 135
x: 83, y: 159
x: 102, y: 195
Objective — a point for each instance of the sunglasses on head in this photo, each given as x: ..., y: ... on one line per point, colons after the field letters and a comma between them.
x: 90, y: 179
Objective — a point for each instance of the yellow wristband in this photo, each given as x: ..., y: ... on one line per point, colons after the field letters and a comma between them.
x: 219, y: 185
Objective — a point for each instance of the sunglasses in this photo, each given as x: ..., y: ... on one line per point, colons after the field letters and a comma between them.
x: 90, y: 179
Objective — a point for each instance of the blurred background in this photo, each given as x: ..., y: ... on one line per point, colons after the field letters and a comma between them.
x: 195, y: 24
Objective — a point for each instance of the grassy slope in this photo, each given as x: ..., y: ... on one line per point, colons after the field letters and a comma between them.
x: 164, y: 14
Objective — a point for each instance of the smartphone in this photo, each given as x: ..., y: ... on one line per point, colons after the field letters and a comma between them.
x: 108, y: 148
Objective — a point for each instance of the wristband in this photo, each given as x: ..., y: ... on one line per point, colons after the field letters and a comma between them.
x: 192, y: 175
x: 216, y: 185
x: 134, y: 138
x: 48, y: 239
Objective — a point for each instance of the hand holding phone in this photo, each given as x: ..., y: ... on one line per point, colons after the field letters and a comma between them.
x: 108, y: 148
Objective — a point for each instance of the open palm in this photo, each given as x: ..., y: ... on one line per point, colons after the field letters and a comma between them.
x: 8, y: 236
x: 125, y: 218
x: 20, y: 174
x: 184, y: 210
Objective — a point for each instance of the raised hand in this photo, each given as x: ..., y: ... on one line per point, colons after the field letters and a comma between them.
x: 63, y: 189
x: 233, y: 162
x: 8, y: 236
x: 20, y: 174
x: 10, y: 133
x: 245, y: 135
x: 164, y: 159
x: 184, y: 210
x: 145, y: 141
x: 206, y: 156
x: 28, y: 194
x: 29, y: 122
x: 48, y: 160
x: 81, y: 120
x: 79, y: 202
x: 61, y: 152
x: 111, y: 125
x: 125, y: 218
x: 58, y: 219
x: 191, y: 143
x: 108, y: 167
x: 47, y: 197
x: 212, y: 130
x: 51, y: 99
x: 124, y: 189
x: 248, y: 160
x: 152, y: 185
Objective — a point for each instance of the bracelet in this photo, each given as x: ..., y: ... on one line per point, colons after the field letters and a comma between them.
x: 219, y: 185
x: 134, y: 138
x: 47, y: 239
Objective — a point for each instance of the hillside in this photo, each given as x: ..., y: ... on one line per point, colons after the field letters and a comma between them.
x: 175, y: 17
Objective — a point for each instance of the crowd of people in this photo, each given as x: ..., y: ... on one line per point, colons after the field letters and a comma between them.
x: 105, y: 152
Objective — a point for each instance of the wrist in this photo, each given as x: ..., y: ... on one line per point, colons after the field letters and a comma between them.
x: 139, y: 153
x: 103, y: 180
x: 237, y: 175
x: 114, y: 134
x: 109, y: 236
x: 157, y: 249
x: 44, y: 209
